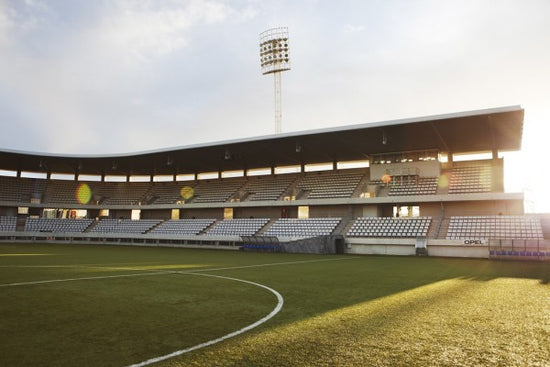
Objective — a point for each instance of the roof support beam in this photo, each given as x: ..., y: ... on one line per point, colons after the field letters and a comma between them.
x: 441, y: 140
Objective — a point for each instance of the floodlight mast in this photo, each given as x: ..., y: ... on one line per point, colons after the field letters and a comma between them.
x: 274, y: 59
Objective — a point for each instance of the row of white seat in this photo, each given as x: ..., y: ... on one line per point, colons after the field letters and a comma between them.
x: 507, y: 227
x: 494, y: 227
x: 57, y: 225
x: 238, y: 227
x: 471, y: 179
x: 390, y: 227
x: 310, y: 227
x: 124, y: 225
x: 8, y: 223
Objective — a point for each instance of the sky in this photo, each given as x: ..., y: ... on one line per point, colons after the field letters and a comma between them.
x: 122, y: 76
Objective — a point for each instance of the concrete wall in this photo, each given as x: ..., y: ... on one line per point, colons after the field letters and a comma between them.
x: 399, y: 250
x: 164, y: 214
x: 214, y: 213
x: 380, y: 246
x: 406, y: 247
x: 456, y: 248
x: 366, y: 211
x: 325, y: 211
x: 489, y: 207
x: 8, y: 211
x: 269, y: 212
x: 120, y: 213
x: 430, y: 210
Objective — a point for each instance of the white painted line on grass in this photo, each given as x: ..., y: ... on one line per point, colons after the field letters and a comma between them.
x: 68, y: 267
x: 268, y: 264
x: 84, y: 278
x: 198, y: 272
x: 154, y: 273
x: 278, y: 307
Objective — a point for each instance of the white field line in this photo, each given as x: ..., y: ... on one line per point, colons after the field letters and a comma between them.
x: 91, y: 266
x: 84, y: 278
x: 70, y: 267
x: 149, y: 271
x: 278, y: 307
x: 268, y: 264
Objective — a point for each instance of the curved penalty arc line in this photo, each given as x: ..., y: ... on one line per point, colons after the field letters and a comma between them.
x: 278, y: 307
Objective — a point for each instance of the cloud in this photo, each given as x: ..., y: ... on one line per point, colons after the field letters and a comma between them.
x: 92, y: 79
x: 350, y: 28
x: 18, y: 18
x: 148, y: 29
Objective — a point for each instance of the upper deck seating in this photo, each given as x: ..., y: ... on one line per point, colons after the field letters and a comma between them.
x: 122, y: 193
x: 217, y: 191
x: 471, y: 179
x: 182, y: 226
x: 57, y: 225
x: 494, y: 227
x: 268, y: 187
x: 21, y: 190
x: 302, y: 228
x: 326, y: 185
x: 413, y: 185
x: 238, y: 227
x: 8, y: 224
x: 124, y: 225
x: 167, y: 192
x: 62, y: 192
x: 390, y: 227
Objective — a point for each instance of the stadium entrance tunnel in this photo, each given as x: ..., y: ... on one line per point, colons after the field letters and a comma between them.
x: 333, y: 244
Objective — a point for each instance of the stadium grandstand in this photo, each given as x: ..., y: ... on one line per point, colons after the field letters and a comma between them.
x: 400, y: 187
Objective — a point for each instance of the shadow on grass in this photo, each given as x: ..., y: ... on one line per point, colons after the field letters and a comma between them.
x: 396, y: 311
x: 334, y: 308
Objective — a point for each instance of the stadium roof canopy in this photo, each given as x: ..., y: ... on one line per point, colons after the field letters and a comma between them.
x: 497, y: 129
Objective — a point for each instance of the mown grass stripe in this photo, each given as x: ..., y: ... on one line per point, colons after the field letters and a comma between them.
x: 83, y: 278
x: 154, y: 273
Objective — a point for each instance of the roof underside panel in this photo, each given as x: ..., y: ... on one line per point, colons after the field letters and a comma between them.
x: 485, y: 130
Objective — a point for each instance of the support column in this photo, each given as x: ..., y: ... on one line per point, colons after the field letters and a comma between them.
x: 278, y: 107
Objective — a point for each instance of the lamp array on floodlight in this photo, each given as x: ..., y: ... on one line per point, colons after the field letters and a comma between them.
x: 274, y: 50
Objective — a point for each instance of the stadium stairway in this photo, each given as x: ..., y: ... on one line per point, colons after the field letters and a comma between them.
x: 348, y: 223
x: 382, y: 191
x: 344, y: 225
x: 241, y: 195
x: 440, y: 225
x: 155, y: 226
x: 20, y: 226
x: 545, y: 224
x: 204, y: 231
x: 361, y: 186
x: 292, y: 189
x: 266, y: 227
x: 91, y: 226
x: 439, y: 230
x: 444, y: 175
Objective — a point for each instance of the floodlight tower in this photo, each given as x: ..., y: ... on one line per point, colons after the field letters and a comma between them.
x: 274, y: 59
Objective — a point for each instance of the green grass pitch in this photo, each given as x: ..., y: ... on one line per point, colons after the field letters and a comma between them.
x: 82, y: 305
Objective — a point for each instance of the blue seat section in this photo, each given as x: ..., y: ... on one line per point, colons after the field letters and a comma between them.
x: 513, y: 253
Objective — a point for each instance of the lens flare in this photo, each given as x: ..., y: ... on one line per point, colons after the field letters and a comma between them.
x: 443, y: 181
x: 386, y: 178
x: 187, y: 192
x: 83, y: 193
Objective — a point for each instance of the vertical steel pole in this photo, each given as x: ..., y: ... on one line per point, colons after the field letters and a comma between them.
x: 278, y: 107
